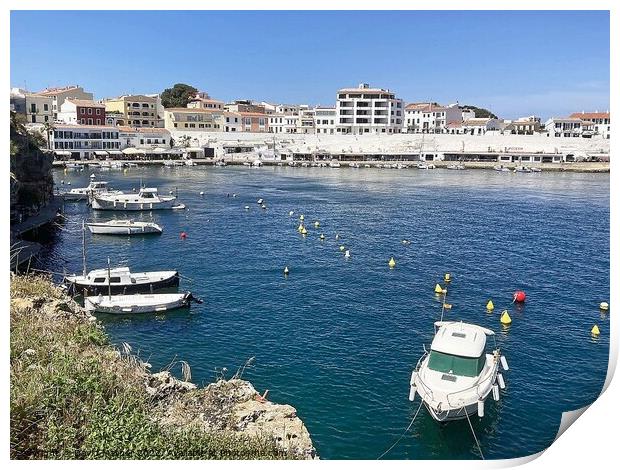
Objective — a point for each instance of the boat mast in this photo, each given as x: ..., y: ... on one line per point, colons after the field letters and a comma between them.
x: 83, y: 249
x: 109, y: 285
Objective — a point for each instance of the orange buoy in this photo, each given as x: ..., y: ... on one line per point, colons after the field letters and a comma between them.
x: 183, y: 235
x: 519, y: 296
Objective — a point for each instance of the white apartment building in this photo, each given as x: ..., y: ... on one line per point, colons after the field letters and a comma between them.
x: 281, y: 123
x: 568, y: 127
x: 601, y: 121
x: 475, y: 126
x: 366, y: 110
x: 232, y: 122
x: 144, y: 137
x: 305, y: 121
x: 82, y: 142
x: 467, y: 114
x: 324, y: 120
x: 430, y: 118
x: 202, y: 100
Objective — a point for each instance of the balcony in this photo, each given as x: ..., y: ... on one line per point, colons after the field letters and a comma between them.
x: 346, y: 104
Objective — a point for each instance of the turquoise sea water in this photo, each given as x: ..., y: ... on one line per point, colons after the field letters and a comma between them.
x: 338, y: 338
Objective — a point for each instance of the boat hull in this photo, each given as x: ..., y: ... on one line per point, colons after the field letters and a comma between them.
x: 104, y: 204
x: 453, y: 414
x: 125, y: 304
x: 104, y: 229
x: 134, y: 288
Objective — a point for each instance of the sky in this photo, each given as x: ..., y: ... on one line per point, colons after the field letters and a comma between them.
x: 515, y: 63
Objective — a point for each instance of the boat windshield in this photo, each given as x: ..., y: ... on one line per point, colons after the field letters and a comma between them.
x: 457, y: 365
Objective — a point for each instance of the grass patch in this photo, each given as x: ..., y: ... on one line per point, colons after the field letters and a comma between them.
x: 73, y: 396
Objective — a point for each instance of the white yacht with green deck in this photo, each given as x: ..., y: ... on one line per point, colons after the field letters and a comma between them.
x: 455, y: 378
x: 147, y: 199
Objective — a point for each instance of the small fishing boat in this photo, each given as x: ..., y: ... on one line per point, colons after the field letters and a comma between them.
x: 177, y: 207
x: 190, y: 162
x: 456, y: 376
x: 220, y: 163
x: 334, y: 164
x: 138, y: 303
x: 535, y: 170
x: 120, y: 281
x: 260, y: 201
x: 500, y: 168
x: 123, y: 227
x: 456, y: 167
x: 131, y: 165
x: 146, y: 199
x: 522, y: 169
x: 257, y: 163
x: 74, y: 166
x: 82, y: 194
x: 173, y: 163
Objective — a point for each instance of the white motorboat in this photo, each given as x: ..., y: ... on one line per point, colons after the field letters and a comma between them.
x: 522, y: 169
x: 456, y: 167
x: 121, y: 281
x: 220, y: 163
x: 190, y: 162
x: 123, y: 227
x: 146, y: 199
x: 131, y: 165
x: 247, y: 164
x: 260, y: 201
x: 173, y: 163
x: 455, y: 378
x: 500, y: 168
x: 334, y: 164
x: 74, y: 166
x: 535, y: 170
x: 94, y: 187
x: 138, y: 303
x: 257, y: 163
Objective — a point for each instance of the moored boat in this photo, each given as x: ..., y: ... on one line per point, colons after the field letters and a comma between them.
x: 82, y: 194
x: 456, y: 376
x: 138, y: 303
x: 121, y: 281
x: 123, y: 227
x: 146, y: 199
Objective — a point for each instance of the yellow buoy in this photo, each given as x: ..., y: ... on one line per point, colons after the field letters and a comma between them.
x: 304, y: 231
x: 595, y: 331
x: 341, y: 247
x: 604, y: 306
x: 447, y: 277
x: 447, y: 306
x: 490, y: 306
x: 505, y: 318
x: 322, y: 237
x: 317, y: 224
x: 286, y: 270
x: 300, y: 228
x: 301, y: 217
x: 391, y: 263
x: 438, y: 289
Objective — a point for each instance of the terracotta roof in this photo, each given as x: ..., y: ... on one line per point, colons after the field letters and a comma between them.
x: 249, y: 114
x: 85, y: 103
x: 53, y: 91
x: 476, y: 121
x: 423, y: 106
x: 206, y: 100
x: 454, y: 124
x: 590, y: 115
x: 193, y: 110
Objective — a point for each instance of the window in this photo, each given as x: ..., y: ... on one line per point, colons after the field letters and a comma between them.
x: 46, y: 118
x: 90, y: 110
x: 97, y: 111
x: 457, y: 365
x: 99, y: 279
x: 90, y: 121
x: 98, y: 122
x: 45, y: 107
x: 33, y: 108
x: 115, y: 279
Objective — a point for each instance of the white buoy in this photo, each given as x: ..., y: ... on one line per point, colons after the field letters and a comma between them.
x: 495, y: 392
x: 92, y: 175
x: 69, y: 183
x: 500, y: 381
x: 347, y: 254
x: 481, y: 408
x: 170, y: 192
x: 247, y: 208
x: 290, y: 213
x: 504, y: 362
x: 202, y: 193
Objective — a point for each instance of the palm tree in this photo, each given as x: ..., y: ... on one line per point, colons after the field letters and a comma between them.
x: 48, y: 128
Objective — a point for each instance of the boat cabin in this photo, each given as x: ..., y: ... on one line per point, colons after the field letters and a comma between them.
x: 148, y: 193
x: 458, y: 349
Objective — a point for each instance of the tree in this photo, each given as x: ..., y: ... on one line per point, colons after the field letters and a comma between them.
x: 178, y: 96
x: 48, y: 128
x: 185, y: 140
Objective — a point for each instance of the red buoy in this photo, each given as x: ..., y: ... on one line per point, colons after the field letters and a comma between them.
x: 183, y: 235
x: 519, y: 296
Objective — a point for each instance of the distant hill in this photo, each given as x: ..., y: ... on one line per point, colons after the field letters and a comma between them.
x: 480, y: 112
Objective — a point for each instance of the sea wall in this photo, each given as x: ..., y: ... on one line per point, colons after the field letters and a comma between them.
x: 75, y: 396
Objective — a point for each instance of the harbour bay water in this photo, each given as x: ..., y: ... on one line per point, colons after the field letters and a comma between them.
x: 338, y: 338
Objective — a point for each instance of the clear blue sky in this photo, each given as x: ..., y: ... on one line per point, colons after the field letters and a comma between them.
x: 515, y: 63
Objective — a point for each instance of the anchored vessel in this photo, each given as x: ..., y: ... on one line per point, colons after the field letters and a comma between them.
x: 123, y: 227
x: 455, y: 378
x: 94, y: 187
x: 146, y: 199
x: 121, y: 281
x: 138, y: 303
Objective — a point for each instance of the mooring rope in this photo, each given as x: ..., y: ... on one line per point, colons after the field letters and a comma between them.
x: 404, y: 432
x: 474, y: 434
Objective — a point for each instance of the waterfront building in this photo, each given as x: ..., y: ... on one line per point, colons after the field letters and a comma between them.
x: 523, y: 126
x: 193, y: 119
x: 202, y: 100
x: 365, y: 110
x: 325, y: 120
x: 480, y: 126
x: 254, y: 122
x: 466, y: 115
x: 144, y: 137
x: 136, y: 110
x: 83, y: 142
x: 430, y: 118
x: 305, y: 121
x: 244, y: 106
x: 60, y: 94
x: 232, y: 122
x: 569, y: 127
x: 74, y: 111
x: 36, y: 109
x: 282, y: 123
x: 601, y: 121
